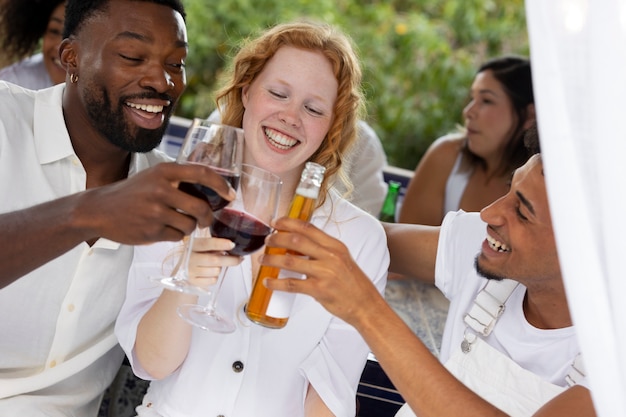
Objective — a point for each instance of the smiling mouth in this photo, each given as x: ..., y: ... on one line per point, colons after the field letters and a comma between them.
x: 496, y: 245
x: 280, y: 141
x: 150, y: 108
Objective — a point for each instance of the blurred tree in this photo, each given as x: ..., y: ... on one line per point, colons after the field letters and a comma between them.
x: 419, y: 56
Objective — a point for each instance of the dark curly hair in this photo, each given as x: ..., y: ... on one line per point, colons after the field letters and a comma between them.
x: 22, y: 25
x: 79, y: 11
x: 531, y: 140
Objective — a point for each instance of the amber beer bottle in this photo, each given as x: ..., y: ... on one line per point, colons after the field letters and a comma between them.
x: 265, y: 307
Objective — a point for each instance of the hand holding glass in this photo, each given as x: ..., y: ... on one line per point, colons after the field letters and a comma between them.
x: 221, y: 148
x: 245, y: 221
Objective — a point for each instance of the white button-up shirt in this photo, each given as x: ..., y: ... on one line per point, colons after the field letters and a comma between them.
x: 257, y: 371
x: 58, y: 352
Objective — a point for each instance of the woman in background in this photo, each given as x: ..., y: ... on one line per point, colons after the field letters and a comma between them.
x: 470, y: 170
x: 23, y: 25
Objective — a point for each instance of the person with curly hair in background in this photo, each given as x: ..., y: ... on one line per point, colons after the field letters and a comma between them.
x: 26, y: 25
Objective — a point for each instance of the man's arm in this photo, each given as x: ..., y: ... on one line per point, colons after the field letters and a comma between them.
x: 142, y: 209
x: 334, y: 279
x: 413, y: 250
x: 427, y: 386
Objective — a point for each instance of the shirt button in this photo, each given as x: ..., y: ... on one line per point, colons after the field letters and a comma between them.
x: 70, y: 307
x: 53, y: 364
x: 237, y: 366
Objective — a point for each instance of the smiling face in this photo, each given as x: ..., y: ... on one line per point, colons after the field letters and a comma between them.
x: 520, y: 242
x: 489, y: 116
x: 50, y: 45
x: 129, y: 60
x: 288, y: 110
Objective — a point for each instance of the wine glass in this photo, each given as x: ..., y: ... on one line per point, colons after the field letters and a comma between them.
x: 221, y: 148
x: 246, y: 221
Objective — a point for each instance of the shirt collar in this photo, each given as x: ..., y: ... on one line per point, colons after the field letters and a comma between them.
x: 51, y: 136
x: 52, y: 139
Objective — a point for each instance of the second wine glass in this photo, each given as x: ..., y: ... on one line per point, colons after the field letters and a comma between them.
x: 221, y: 148
x: 245, y: 221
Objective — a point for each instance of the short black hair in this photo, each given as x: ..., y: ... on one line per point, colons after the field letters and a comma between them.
x: 78, y: 11
x: 531, y: 140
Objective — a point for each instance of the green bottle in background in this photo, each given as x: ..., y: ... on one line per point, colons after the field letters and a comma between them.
x: 388, y: 212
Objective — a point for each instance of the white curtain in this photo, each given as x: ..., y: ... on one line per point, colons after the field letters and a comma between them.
x: 578, y: 58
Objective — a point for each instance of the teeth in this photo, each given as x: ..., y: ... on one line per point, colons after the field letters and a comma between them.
x: 496, y: 245
x: 280, y: 141
x: 146, y: 107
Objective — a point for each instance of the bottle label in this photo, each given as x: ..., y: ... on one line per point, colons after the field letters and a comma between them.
x: 281, y: 302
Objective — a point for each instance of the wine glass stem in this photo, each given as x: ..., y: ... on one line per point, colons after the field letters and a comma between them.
x: 183, y: 272
x: 210, y: 307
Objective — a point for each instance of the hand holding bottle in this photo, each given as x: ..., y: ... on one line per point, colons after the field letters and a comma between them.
x: 333, y: 277
x: 264, y: 307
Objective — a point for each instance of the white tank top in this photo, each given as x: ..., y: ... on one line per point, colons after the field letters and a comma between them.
x: 455, y: 186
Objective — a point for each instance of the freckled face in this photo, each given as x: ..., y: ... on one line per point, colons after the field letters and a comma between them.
x: 489, y: 116
x: 288, y: 110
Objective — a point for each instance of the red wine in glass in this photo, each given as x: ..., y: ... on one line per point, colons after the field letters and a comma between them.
x: 246, y: 231
x: 245, y: 222
x: 207, y: 194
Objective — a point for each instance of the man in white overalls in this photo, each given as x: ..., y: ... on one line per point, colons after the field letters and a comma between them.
x: 509, y: 347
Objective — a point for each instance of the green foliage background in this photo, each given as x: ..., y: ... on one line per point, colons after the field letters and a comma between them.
x: 419, y: 56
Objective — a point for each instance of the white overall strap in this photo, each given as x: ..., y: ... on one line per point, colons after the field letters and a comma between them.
x: 489, y: 305
x: 576, y: 372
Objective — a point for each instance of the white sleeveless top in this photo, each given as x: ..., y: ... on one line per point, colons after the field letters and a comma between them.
x: 455, y: 186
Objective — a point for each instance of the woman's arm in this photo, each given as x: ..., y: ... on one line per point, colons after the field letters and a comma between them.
x: 163, y: 339
x: 424, y: 197
x: 314, y: 406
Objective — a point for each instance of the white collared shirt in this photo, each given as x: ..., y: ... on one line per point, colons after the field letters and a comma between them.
x: 57, y: 351
x: 547, y: 353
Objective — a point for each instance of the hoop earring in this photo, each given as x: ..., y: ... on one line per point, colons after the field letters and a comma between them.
x: 73, y: 78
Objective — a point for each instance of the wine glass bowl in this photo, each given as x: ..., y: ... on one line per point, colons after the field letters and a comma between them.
x: 247, y: 232
x: 246, y: 222
x: 221, y: 148
x: 215, y: 145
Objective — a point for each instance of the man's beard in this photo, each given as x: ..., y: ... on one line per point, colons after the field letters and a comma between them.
x: 484, y: 273
x: 111, y: 122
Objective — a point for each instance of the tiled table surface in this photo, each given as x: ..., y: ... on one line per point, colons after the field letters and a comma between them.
x: 421, y: 306
x: 424, y: 309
